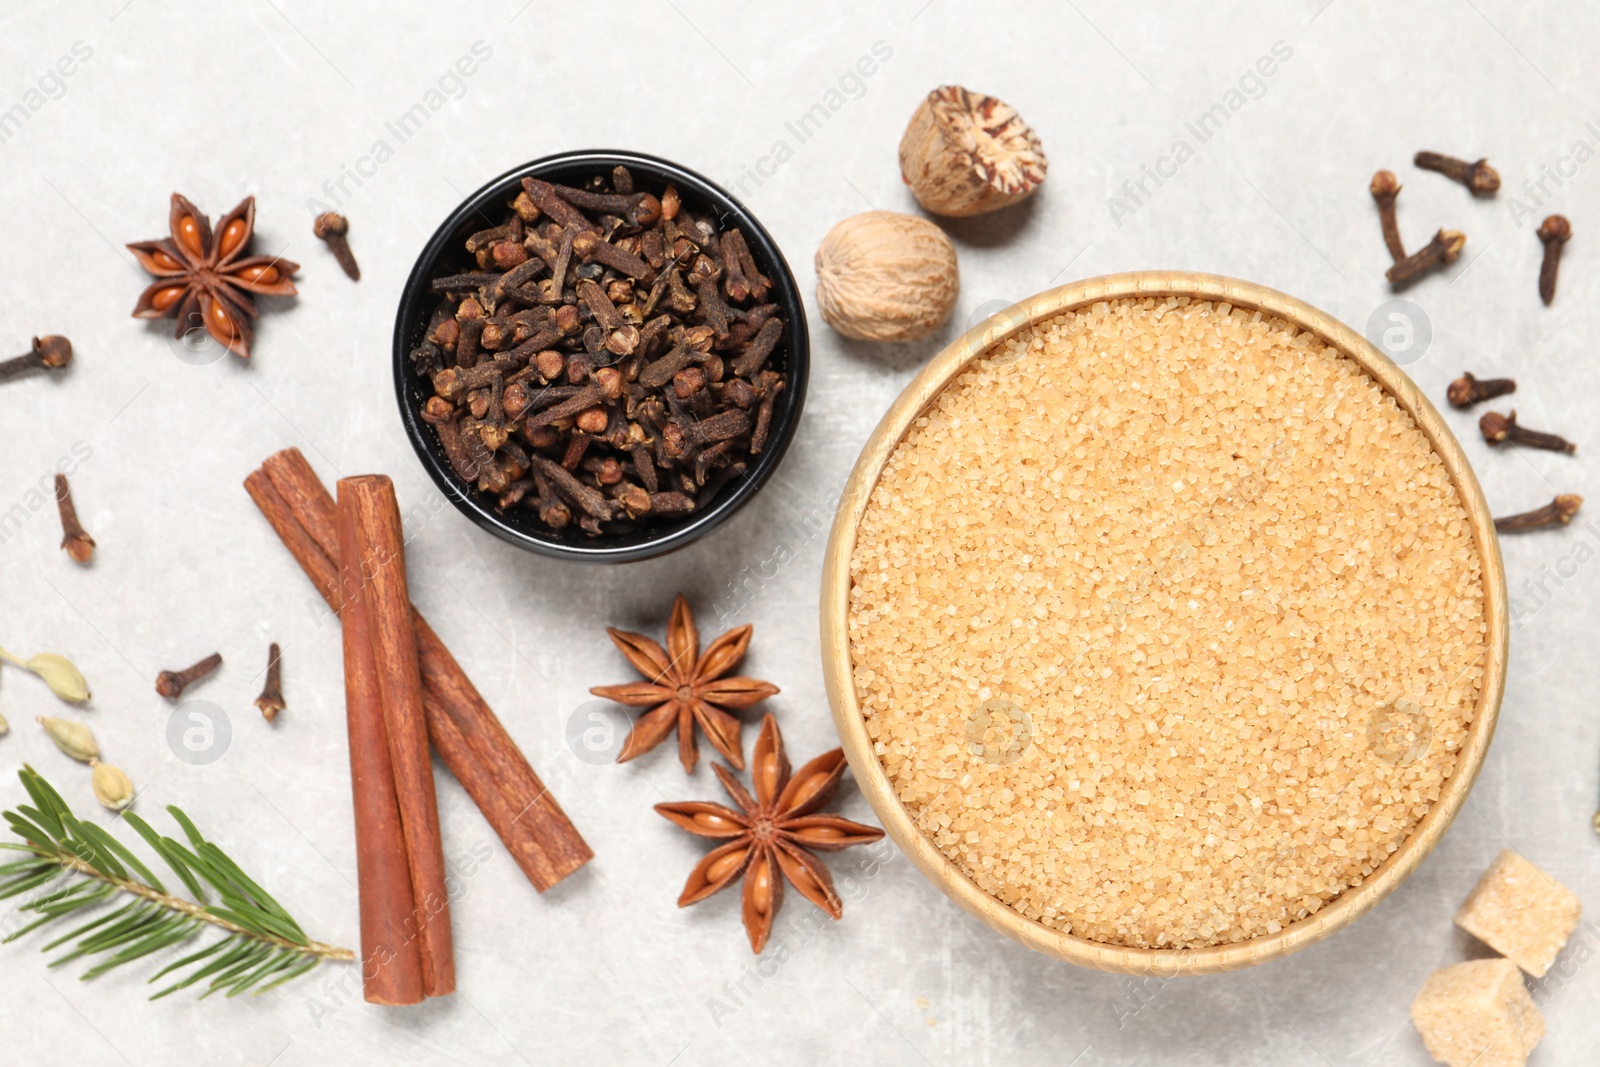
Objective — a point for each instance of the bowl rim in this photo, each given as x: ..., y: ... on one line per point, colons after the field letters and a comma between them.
x: 414, y: 297
x: 858, y: 746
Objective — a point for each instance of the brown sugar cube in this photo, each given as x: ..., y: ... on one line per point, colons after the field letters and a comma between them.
x: 1477, y: 1014
x: 1520, y: 912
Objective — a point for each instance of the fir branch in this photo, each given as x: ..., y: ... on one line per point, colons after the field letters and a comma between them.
x: 76, y: 866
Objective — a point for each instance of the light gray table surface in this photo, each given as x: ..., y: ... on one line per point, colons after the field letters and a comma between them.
x: 297, y: 104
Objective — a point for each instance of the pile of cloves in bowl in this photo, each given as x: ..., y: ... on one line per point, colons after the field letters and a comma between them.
x: 607, y: 363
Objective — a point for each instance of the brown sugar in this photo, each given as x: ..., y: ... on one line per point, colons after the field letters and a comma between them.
x: 1167, y: 623
x: 1478, y: 1014
x: 1521, y: 912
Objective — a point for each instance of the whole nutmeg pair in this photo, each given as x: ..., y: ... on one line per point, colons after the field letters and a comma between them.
x: 883, y: 276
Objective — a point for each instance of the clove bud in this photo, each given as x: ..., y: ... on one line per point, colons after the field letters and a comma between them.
x: 1479, y: 177
x: 1444, y: 248
x: 270, y: 702
x: 330, y: 228
x: 1466, y: 390
x: 171, y: 684
x: 1558, y: 511
x: 1555, y: 231
x: 74, y: 539
x: 1498, y: 429
x: 48, y: 353
x: 1385, y: 189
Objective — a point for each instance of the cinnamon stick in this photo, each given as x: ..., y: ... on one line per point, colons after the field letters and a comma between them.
x: 464, y: 729
x: 373, y: 568
x: 391, y: 960
x: 321, y: 568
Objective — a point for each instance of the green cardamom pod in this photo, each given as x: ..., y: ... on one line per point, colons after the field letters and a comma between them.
x: 73, y: 738
x: 112, y: 787
x: 64, y: 680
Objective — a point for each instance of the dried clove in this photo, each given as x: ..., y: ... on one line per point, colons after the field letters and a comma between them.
x: 1444, y: 248
x: 331, y: 227
x: 1558, y: 511
x: 171, y: 684
x: 51, y: 352
x: 1555, y: 231
x: 1385, y: 189
x: 758, y: 436
x: 270, y: 702
x: 1498, y: 429
x: 636, y: 209
x: 1466, y: 390
x: 551, y: 203
x: 1479, y: 177
x: 78, y: 544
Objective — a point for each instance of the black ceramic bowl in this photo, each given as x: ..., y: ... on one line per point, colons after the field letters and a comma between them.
x: 445, y: 253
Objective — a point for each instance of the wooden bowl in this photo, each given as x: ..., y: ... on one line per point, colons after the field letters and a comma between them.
x: 869, y: 771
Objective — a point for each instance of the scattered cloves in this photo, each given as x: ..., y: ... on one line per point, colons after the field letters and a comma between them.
x: 171, y: 684
x: 1554, y: 231
x: 1444, y: 248
x: 271, y: 699
x: 1385, y: 189
x: 1481, y: 178
x: 1466, y: 390
x: 1498, y: 429
x: 1558, y: 511
x: 78, y: 544
x: 331, y: 227
x: 51, y: 352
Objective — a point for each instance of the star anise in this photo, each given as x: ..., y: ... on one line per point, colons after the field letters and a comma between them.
x: 209, y: 276
x: 686, y: 687
x: 773, y: 837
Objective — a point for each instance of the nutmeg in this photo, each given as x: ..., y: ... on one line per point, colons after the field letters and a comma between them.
x: 965, y: 153
x: 886, y: 277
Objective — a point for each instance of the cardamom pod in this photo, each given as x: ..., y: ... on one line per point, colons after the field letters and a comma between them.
x: 73, y: 738
x: 112, y: 787
x: 64, y: 680
x: 5, y: 727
